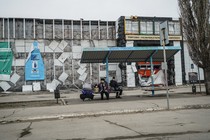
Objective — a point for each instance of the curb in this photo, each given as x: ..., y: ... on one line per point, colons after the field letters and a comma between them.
x: 101, y: 113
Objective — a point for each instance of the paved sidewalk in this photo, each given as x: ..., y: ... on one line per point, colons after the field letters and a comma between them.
x: 74, y: 94
x: 133, y: 101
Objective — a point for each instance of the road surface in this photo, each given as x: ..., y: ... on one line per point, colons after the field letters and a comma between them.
x: 189, y: 124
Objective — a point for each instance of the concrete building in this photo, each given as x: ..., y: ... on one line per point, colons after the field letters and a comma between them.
x: 144, y: 31
x: 61, y: 42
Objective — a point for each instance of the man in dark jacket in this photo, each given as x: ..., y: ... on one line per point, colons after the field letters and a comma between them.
x: 103, y: 86
x: 114, y: 85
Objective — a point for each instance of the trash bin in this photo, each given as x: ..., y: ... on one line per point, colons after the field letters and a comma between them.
x: 194, y: 89
x: 57, y: 93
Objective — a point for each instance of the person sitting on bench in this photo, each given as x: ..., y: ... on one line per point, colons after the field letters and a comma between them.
x: 103, y: 86
x: 114, y: 85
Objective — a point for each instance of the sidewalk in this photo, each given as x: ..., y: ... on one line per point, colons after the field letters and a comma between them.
x: 74, y: 94
x: 133, y: 101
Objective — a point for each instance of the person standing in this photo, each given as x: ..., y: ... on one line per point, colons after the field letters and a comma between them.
x: 104, y: 89
x: 114, y: 85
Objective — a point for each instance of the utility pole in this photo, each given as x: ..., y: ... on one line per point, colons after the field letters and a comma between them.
x: 163, y: 41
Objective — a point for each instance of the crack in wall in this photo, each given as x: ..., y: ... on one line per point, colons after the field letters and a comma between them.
x: 113, y: 123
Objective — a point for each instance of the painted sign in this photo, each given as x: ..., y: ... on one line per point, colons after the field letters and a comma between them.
x: 34, y: 67
x: 6, y: 57
x: 151, y: 37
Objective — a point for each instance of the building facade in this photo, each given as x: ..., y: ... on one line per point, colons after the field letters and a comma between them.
x: 61, y: 42
x: 137, y: 31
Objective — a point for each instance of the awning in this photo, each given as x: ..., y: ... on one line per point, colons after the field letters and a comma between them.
x: 127, y: 54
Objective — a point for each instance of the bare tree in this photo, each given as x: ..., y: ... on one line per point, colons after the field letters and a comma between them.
x: 195, y: 22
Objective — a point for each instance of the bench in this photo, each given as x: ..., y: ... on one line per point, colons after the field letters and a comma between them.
x: 96, y: 91
x: 91, y: 96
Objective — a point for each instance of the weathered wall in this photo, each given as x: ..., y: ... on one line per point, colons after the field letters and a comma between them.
x: 70, y: 66
x: 56, y: 38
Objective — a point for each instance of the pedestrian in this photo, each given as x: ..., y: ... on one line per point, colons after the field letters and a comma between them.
x: 114, y: 85
x: 103, y: 86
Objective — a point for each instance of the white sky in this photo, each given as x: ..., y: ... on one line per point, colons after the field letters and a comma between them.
x: 88, y: 9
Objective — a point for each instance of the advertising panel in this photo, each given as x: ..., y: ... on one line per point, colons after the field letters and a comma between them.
x: 34, y: 67
x: 6, y: 57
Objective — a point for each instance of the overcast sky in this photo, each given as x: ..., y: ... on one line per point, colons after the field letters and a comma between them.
x: 88, y: 9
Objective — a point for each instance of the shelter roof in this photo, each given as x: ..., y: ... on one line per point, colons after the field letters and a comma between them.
x: 127, y: 54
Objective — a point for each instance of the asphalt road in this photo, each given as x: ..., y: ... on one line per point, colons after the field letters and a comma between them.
x: 164, y: 125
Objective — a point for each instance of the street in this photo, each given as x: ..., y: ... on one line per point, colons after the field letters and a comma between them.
x: 137, y: 115
x: 164, y: 125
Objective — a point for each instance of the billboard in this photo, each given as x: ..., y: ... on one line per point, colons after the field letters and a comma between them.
x: 6, y: 57
x: 34, y: 67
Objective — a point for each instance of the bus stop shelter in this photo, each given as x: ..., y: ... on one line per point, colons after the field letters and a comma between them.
x: 127, y: 54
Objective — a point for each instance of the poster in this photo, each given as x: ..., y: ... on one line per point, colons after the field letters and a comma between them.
x: 6, y: 57
x: 34, y: 67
